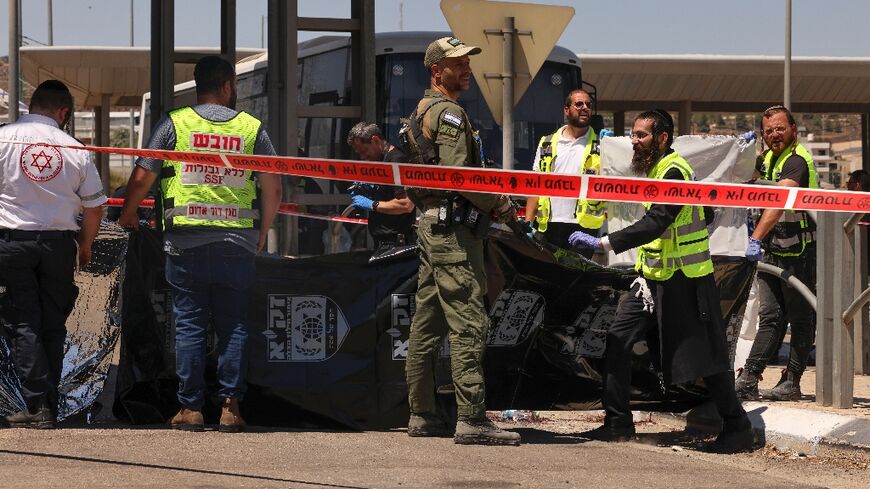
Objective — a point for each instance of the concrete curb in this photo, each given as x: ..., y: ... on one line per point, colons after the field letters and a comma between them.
x: 802, y: 430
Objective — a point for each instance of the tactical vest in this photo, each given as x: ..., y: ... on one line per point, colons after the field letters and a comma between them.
x: 204, y: 196
x: 795, y: 229
x: 422, y: 150
x: 685, y: 244
x: 589, y: 213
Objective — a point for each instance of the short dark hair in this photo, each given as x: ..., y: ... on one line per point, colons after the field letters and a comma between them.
x: 776, y: 109
x: 662, y: 123
x: 571, y: 94
x: 364, y: 131
x: 862, y: 178
x: 210, y: 73
x: 51, y: 95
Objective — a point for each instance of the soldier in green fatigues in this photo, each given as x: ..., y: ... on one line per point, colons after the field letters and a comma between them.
x: 452, y: 282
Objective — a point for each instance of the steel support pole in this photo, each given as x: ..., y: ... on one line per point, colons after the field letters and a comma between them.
x: 282, y: 24
x: 619, y: 123
x: 685, y: 119
x: 825, y: 310
x: 14, y: 44
x: 50, y: 22
x: 860, y: 327
x: 786, y: 75
x: 843, y: 343
x: 508, y: 75
x: 363, y: 52
x: 162, y: 58
x: 101, y: 134
x: 228, y: 30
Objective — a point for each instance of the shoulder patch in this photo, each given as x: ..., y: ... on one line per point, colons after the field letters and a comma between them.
x: 546, y: 150
x: 451, y: 119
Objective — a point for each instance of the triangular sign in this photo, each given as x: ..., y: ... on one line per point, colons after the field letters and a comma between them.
x: 539, y: 27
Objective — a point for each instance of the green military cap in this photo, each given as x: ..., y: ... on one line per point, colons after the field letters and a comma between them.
x: 447, y: 47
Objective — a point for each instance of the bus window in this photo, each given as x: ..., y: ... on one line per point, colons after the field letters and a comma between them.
x: 324, y: 72
x: 252, y: 97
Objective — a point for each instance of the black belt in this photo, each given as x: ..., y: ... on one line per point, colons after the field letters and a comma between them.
x: 22, y: 235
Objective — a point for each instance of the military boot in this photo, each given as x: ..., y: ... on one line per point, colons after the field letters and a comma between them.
x: 734, y: 441
x: 187, y: 420
x: 611, y: 432
x: 483, y: 432
x: 427, y: 424
x: 746, y: 385
x: 43, y: 418
x: 788, y: 388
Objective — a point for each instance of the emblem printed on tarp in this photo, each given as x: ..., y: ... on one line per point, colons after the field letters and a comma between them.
x: 515, y: 314
x: 591, y: 331
x: 303, y: 328
x: 402, y: 308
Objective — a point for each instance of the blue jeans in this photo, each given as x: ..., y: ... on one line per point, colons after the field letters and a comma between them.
x: 210, y: 283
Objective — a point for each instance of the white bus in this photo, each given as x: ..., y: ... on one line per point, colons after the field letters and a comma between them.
x: 324, y: 79
x: 324, y: 71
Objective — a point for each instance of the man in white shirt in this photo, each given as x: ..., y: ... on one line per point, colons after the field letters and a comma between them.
x: 572, y: 149
x: 42, y: 193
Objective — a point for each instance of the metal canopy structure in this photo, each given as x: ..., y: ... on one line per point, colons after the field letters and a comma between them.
x: 712, y: 83
x: 727, y: 83
x: 121, y: 73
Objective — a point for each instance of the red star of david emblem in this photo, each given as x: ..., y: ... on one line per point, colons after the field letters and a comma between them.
x: 41, y: 156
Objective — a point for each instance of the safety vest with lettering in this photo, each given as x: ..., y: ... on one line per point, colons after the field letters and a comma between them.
x: 204, y: 195
x: 795, y: 229
x: 589, y: 213
x: 685, y: 244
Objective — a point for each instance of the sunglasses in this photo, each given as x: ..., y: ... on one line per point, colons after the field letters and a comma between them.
x: 580, y: 104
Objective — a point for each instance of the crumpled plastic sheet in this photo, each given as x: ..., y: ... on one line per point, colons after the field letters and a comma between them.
x: 93, y: 329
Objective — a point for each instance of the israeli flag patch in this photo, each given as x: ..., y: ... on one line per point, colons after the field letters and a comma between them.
x: 452, y: 119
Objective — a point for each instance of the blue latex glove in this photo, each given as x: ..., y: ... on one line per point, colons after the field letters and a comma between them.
x: 753, y: 251
x: 362, y: 202
x: 605, y: 132
x: 580, y: 240
x: 748, y: 136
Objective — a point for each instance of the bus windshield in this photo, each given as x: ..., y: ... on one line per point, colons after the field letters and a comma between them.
x: 402, y: 79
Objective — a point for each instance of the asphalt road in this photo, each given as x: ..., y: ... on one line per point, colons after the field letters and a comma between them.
x: 553, y: 455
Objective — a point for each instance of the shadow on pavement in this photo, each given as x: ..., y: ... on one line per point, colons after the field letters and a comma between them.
x: 533, y: 436
x: 172, y: 468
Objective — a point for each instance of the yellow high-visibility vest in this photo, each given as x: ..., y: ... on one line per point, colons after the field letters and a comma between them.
x: 196, y: 195
x: 589, y: 213
x: 685, y: 244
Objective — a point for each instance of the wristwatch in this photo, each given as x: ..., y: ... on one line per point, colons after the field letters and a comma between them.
x: 375, y: 205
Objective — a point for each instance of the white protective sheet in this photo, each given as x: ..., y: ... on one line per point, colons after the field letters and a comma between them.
x: 724, y: 159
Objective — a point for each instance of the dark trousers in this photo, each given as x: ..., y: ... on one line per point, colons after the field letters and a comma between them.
x: 37, y: 293
x: 631, y: 325
x: 557, y: 234
x: 781, y: 305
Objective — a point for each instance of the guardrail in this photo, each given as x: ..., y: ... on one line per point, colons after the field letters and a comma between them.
x: 842, y: 332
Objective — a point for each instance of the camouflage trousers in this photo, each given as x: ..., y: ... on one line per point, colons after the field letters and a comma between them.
x: 450, y: 292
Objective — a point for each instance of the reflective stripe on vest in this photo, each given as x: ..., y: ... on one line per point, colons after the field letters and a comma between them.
x: 209, y: 196
x: 795, y: 229
x: 589, y: 213
x: 685, y: 244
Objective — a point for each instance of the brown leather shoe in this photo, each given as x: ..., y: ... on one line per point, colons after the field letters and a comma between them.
x: 231, y: 420
x: 187, y: 420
